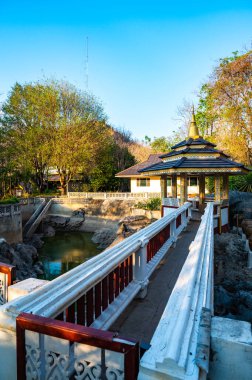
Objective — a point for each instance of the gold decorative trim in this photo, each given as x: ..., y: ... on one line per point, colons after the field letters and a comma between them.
x: 191, y: 155
x: 192, y: 146
x: 195, y: 170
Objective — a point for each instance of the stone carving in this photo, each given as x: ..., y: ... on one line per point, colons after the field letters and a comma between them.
x: 32, y: 362
x: 50, y: 359
x: 57, y: 366
x: 3, y: 288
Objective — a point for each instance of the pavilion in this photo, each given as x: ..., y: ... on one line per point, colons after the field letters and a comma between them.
x: 198, y: 157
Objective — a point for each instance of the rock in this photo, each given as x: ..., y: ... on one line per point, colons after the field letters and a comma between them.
x: 104, y: 237
x: 246, y: 298
x: 24, y: 257
x: 38, y: 269
x: 233, y: 279
x: 245, y: 313
x: 240, y: 206
x: 222, y: 297
x: 27, y: 252
x: 36, y: 241
x: 130, y: 219
x: 49, y: 231
x: 125, y: 230
x: 6, y: 252
x: 63, y: 223
x: 80, y: 212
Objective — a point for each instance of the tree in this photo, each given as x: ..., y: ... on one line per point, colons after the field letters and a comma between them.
x: 81, y: 135
x: 184, y: 112
x: 160, y: 144
x: 225, y: 106
x: 29, y: 116
x: 206, y: 113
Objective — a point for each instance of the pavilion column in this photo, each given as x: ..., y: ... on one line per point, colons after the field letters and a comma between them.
x: 183, y: 188
x: 217, y: 188
x: 174, y: 186
x: 225, y: 190
x: 163, y: 185
x: 201, y: 189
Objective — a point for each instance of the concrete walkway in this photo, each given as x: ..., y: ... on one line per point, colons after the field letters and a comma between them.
x: 141, y: 317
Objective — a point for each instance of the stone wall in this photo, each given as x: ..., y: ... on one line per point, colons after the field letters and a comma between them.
x: 231, y: 350
x: 107, y: 209
x: 11, y: 223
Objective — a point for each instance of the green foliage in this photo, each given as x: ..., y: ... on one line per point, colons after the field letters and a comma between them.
x: 9, y: 200
x: 53, y: 124
x: 225, y: 107
x: 205, y: 114
x: 210, y: 184
x: 241, y: 183
x: 160, y: 144
x: 163, y: 144
x: 151, y: 204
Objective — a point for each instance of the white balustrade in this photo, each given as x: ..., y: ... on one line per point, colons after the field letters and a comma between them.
x: 66, y: 291
x: 101, y: 195
x: 173, y: 353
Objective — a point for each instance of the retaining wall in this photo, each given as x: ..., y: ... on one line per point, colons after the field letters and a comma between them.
x: 231, y: 350
x: 11, y: 223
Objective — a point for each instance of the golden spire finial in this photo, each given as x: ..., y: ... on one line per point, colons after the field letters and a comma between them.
x: 193, y: 129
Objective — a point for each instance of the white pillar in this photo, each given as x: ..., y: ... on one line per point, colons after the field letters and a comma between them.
x: 139, y: 265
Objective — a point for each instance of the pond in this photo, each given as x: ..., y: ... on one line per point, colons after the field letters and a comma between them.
x: 64, y: 251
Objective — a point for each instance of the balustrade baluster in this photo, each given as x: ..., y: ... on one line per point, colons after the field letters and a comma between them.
x: 60, y: 317
x: 105, y: 293
x: 70, y: 313
x: 98, y: 300
x: 149, y: 251
x: 121, y: 277
x: 117, y: 281
x: 90, y: 307
x: 81, y: 311
x: 111, y: 287
x: 130, y: 268
x: 126, y: 272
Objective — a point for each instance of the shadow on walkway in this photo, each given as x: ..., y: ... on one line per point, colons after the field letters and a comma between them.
x: 141, y: 317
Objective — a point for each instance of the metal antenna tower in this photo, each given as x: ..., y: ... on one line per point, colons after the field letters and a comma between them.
x: 86, y: 66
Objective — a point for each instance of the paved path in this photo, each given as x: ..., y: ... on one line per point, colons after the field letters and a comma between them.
x: 141, y: 317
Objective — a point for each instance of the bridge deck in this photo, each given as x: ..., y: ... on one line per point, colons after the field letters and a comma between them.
x: 141, y: 317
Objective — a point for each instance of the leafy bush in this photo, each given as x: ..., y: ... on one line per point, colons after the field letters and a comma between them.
x: 210, y: 184
x: 10, y: 200
x: 152, y: 204
x: 241, y: 183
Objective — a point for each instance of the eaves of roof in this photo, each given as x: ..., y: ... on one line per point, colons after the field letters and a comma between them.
x: 219, y: 162
x: 190, y: 141
x: 135, y: 169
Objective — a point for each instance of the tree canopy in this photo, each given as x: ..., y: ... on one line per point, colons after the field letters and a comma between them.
x: 225, y: 106
x: 54, y: 125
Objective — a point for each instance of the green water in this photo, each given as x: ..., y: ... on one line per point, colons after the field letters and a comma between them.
x: 64, y: 251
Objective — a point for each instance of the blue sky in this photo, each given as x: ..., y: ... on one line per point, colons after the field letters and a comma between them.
x: 145, y: 57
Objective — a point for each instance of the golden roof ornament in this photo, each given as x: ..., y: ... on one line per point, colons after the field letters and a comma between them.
x: 193, y: 129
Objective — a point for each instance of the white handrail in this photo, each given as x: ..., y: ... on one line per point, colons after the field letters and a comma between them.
x: 54, y: 297
x: 173, y: 346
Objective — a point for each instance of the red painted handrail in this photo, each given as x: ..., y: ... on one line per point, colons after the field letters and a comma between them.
x: 10, y: 271
x: 75, y: 333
